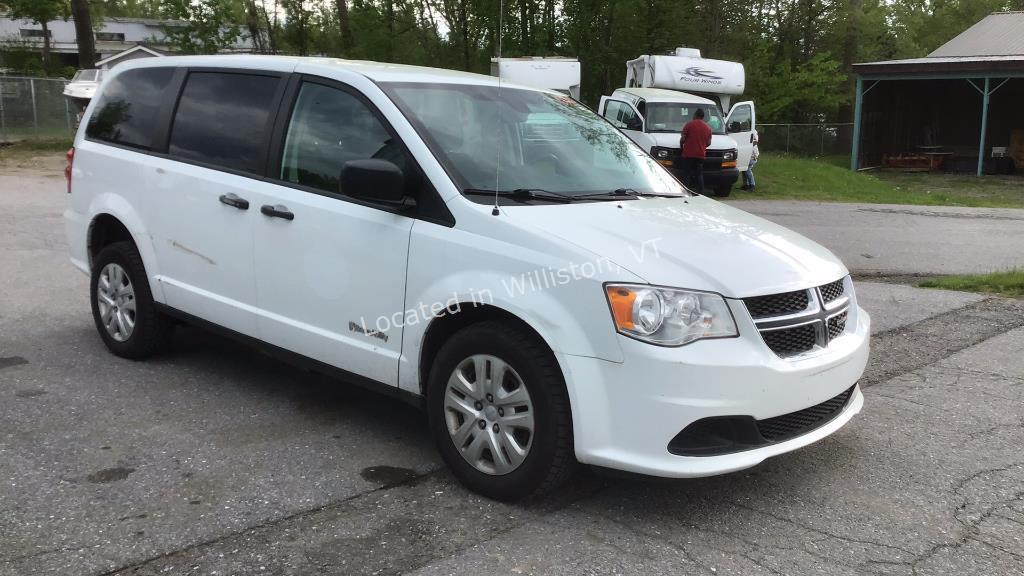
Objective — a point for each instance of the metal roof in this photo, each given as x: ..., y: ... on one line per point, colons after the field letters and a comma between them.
x: 998, y: 34
x: 992, y: 46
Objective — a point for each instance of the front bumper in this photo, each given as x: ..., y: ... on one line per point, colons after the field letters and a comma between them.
x: 626, y: 414
x: 714, y: 175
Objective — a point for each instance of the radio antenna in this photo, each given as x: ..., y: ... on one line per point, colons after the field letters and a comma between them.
x: 497, y: 147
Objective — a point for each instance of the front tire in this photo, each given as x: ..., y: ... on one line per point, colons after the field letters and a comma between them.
x: 499, y: 412
x: 723, y: 191
x: 122, y: 304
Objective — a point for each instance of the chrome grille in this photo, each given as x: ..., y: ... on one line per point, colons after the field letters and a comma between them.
x: 836, y: 325
x: 793, y: 323
x: 832, y: 290
x: 790, y: 341
x: 777, y: 304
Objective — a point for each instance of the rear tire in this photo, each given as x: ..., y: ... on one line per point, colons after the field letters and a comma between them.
x: 522, y: 361
x: 122, y: 304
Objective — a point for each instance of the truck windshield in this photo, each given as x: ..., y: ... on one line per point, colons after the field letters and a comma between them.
x: 516, y: 139
x: 671, y: 116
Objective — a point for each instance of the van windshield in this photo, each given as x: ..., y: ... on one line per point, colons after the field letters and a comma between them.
x: 672, y: 116
x: 84, y: 76
x: 520, y: 139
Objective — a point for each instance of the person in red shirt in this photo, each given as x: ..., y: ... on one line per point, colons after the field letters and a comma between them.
x: 694, y: 144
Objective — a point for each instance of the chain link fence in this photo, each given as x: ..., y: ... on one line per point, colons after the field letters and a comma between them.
x: 806, y: 139
x: 34, y: 109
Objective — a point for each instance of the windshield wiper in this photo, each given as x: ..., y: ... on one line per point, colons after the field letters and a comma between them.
x: 523, y: 194
x: 630, y: 193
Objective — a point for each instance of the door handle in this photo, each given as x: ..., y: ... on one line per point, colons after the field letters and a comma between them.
x: 278, y: 211
x: 233, y: 200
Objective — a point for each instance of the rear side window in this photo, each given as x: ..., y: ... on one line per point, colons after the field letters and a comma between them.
x: 223, y: 119
x: 127, y: 110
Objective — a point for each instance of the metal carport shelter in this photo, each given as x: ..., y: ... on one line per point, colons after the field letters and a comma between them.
x: 924, y: 98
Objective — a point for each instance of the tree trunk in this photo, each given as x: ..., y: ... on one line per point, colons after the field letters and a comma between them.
x: 853, y: 23
x: 83, y: 33
x: 271, y: 29
x: 464, y: 33
x: 46, y: 44
x: 391, y: 29
x: 524, y: 28
x: 252, y: 22
x: 549, y: 25
x: 347, y: 42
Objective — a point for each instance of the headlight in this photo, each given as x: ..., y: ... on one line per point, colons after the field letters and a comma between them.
x: 660, y: 153
x: 729, y: 155
x: 669, y: 316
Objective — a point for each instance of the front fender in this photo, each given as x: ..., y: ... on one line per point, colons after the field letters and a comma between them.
x: 552, y: 286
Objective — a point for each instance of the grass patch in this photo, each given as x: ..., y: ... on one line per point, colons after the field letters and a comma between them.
x: 34, y: 153
x: 1008, y: 283
x: 829, y: 179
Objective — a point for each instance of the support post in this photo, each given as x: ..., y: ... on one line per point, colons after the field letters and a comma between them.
x: 35, y: 116
x: 984, y: 127
x: 3, y: 121
x: 858, y: 110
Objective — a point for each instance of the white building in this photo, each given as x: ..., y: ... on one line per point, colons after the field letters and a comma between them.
x: 117, y: 35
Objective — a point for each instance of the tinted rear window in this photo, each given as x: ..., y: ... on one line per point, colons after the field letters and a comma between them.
x: 222, y: 119
x: 128, y: 108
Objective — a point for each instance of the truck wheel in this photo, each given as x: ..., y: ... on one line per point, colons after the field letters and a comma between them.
x: 499, y: 412
x: 723, y: 191
x: 122, y: 304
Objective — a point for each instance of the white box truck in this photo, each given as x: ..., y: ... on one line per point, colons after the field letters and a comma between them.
x: 686, y: 72
x: 551, y: 73
x: 654, y: 119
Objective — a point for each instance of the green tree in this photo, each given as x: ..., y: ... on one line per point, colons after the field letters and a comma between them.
x: 208, y: 26
x: 40, y: 12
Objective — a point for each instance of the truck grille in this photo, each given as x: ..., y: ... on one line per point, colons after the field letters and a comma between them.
x: 792, y: 323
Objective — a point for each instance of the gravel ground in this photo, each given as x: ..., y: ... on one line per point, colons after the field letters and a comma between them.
x: 216, y: 460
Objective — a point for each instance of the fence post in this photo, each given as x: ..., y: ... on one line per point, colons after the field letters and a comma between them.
x: 788, y: 128
x: 35, y: 118
x: 67, y: 114
x: 3, y: 121
x: 821, y: 134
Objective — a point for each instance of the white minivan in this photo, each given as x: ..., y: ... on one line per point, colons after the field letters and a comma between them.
x: 499, y: 255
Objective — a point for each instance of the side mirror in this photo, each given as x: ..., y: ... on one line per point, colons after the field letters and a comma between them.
x: 735, y: 127
x: 635, y: 123
x: 377, y: 181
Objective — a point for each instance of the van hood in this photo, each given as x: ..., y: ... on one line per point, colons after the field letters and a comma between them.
x: 693, y: 243
x: 671, y: 140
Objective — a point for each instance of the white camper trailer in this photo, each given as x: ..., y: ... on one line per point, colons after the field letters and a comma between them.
x: 717, y: 80
x: 560, y: 74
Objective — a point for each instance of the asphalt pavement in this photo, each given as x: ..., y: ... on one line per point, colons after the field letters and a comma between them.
x: 912, y: 240
x: 214, y: 459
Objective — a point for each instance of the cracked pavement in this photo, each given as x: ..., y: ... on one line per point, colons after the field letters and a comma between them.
x: 215, y: 460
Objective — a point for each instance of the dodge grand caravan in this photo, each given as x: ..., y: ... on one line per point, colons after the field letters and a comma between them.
x: 499, y: 255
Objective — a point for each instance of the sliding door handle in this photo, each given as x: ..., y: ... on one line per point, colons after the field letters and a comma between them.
x: 233, y: 200
x: 277, y: 211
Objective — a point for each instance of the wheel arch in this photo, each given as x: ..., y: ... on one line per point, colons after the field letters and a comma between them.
x: 113, y: 218
x: 462, y: 315
x: 105, y: 229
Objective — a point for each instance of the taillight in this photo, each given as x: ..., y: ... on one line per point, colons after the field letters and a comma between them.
x: 67, y: 168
